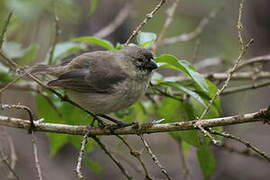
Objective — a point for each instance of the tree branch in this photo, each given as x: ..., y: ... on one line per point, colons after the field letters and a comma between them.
x: 262, y: 115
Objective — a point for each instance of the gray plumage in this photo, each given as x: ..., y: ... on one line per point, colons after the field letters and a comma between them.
x: 103, y: 81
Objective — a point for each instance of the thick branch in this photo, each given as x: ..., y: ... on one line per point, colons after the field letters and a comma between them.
x: 262, y: 115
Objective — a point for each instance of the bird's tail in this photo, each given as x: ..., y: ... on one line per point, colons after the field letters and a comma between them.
x: 46, y: 69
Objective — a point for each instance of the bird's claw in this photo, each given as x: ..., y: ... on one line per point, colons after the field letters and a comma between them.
x: 120, y: 125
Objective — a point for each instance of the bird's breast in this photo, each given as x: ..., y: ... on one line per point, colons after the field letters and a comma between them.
x: 123, y: 95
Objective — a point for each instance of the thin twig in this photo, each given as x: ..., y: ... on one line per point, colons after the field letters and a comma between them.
x: 11, y: 63
x: 35, y: 150
x: 258, y: 59
x: 50, y: 101
x: 168, y: 21
x: 154, y: 158
x: 57, y: 33
x: 145, y: 21
x: 137, y: 155
x: 11, y: 83
x: 118, y: 21
x: 11, y: 170
x: 220, y: 76
x: 23, y: 86
x: 113, y: 158
x: 80, y: 157
x: 13, y: 156
x: 242, y: 141
x: 206, y: 133
x: 11, y: 161
x: 244, y: 48
x: 195, y: 33
x: 245, y: 87
x: 4, y: 30
x: 128, y: 161
x: 22, y: 107
x: 30, y: 130
x: 245, y: 152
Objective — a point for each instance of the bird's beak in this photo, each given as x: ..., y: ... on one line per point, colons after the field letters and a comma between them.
x: 151, y: 65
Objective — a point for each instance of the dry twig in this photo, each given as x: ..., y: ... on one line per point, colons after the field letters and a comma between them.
x: 245, y: 87
x: 4, y: 30
x: 9, y: 162
x: 35, y: 150
x: 197, y: 31
x: 168, y: 21
x: 30, y: 130
x: 80, y: 157
x: 242, y: 141
x: 244, y: 48
x: 147, y: 18
x: 137, y: 155
x: 154, y: 158
x: 113, y: 158
x: 245, y: 152
x: 57, y: 33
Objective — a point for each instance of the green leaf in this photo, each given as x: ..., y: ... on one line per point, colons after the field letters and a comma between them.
x: 5, y: 75
x: 184, y: 67
x: 139, y: 112
x: 73, y: 115
x: 185, y: 90
x: 146, y: 39
x: 124, y: 112
x: 119, y: 46
x: 169, y: 110
x: 134, y: 113
x: 175, y: 111
x: 215, y: 110
x: 94, y: 40
x: 206, y: 160
x: 212, y: 91
x: 93, y: 6
x: 29, y: 54
x: 70, y: 115
x: 57, y: 141
x: 185, y: 148
x: 198, y: 110
x: 46, y: 111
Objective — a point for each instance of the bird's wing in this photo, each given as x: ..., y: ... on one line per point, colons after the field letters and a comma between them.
x: 87, y: 81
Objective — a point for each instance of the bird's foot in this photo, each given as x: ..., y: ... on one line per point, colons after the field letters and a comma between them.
x: 100, y: 123
x: 119, y: 125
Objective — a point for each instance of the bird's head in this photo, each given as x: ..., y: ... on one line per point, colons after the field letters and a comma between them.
x: 140, y: 60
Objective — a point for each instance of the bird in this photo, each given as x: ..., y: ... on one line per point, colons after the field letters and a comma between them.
x: 103, y: 82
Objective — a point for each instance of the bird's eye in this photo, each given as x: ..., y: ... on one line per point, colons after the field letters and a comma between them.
x: 140, y: 60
